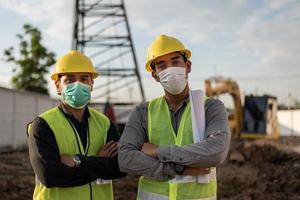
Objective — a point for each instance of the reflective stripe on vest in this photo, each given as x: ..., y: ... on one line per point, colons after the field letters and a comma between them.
x: 142, y: 195
x: 161, y: 133
x: 67, y: 144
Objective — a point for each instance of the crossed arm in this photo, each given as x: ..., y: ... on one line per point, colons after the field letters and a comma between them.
x: 138, y: 156
x: 55, y: 170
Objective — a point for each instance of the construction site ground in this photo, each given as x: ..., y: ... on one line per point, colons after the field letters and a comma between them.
x: 254, y: 170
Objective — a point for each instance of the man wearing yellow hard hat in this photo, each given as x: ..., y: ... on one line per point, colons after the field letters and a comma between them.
x: 157, y: 142
x: 73, y: 148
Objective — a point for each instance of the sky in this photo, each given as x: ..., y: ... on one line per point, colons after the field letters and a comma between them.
x: 255, y: 42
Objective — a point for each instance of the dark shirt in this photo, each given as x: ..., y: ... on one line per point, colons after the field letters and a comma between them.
x: 45, y: 158
x: 177, y: 114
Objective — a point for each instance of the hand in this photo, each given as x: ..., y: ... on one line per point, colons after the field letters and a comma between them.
x: 150, y: 149
x: 110, y: 149
x: 67, y: 160
x: 194, y: 171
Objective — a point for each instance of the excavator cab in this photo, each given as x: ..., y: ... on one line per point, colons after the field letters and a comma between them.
x: 260, y: 117
x: 256, y: 119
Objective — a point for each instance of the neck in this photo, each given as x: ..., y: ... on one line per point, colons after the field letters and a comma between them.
x: 176, y: 100
x: 77, y: 113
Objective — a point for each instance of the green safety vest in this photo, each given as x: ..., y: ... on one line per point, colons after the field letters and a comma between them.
x: 161, y: 133
x: 67, y: 144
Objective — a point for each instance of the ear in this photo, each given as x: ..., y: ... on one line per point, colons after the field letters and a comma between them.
x: 154, y: 75
x: 188, y: 66
x: 57, y: 86
x: 92, y: 86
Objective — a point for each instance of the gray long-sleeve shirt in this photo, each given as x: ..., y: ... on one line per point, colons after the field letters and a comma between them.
x: 208, y: 153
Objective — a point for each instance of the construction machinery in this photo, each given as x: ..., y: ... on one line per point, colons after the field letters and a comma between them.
x: 254, y: 117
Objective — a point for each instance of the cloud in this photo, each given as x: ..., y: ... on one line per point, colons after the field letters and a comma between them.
x: 261, y: 35
x: 270, y: 36
x: 258, y: 36
x: 55, y: 15
x: 190, y: 20
x: 265, y: 30
x: 250, y: 24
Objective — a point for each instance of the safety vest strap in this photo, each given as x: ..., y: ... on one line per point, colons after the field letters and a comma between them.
x: 100, y: 181
x: 143, y: 195
x: 192, y: 179
x: 159, y: 122
x: 66, y: 140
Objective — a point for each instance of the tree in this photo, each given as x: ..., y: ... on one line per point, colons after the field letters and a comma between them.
x: 33, y: 62
x: 297, y: 104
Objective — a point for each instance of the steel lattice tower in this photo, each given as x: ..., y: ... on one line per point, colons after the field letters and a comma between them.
x: 102, y: 32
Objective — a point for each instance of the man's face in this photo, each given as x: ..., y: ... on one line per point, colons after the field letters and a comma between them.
x: 69, y: 78
x: 170, y: 60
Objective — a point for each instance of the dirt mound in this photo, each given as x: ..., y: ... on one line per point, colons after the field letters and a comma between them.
x: 260, y: 172
x: 16, y: 176
x: 253, y: 170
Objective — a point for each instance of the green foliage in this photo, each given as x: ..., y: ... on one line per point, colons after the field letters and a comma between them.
x: 33, y: 63
x: 297, y: 104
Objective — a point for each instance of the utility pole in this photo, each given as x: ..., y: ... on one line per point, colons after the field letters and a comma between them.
x: 101, y: 31
x: 290, y: 108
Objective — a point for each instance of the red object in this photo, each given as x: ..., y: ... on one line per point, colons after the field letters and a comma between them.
x: 109, y: 111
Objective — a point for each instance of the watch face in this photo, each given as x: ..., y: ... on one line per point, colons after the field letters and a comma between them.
x: 77, y: 160
x: 76, y: 157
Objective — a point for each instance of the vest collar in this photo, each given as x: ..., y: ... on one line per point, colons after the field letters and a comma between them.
x: 86, y: 114
x: 182, y: 105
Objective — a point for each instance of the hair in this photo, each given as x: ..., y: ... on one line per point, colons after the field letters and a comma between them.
x: 181, y: 53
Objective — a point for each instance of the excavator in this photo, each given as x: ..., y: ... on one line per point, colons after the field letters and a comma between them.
x: 254, y: 118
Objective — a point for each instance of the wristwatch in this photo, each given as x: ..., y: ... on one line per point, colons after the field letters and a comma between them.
x: 179, y: 169
x: 76, y: 160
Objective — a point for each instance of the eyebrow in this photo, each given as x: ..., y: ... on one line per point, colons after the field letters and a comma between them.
x: 81, y: 76
x: 70, y: 76
x: 175, y: 57
x: 159, y: 62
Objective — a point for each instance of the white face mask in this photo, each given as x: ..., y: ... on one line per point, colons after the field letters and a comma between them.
x: 173, y: 79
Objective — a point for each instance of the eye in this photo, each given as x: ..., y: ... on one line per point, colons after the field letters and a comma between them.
x: 160, y: 67
x: 69, y: 80
x: 85, y: 79
x: 175, y: 62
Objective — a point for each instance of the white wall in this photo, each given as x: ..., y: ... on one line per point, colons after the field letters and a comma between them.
x: 289, y: 122
x: 17, y: 109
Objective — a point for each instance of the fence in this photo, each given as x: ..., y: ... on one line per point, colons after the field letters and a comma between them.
x: 17, y: 109
x: 289, y: 121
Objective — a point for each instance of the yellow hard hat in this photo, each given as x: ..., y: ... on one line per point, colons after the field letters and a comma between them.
x: 73, y: 62
x: 163, y: 45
